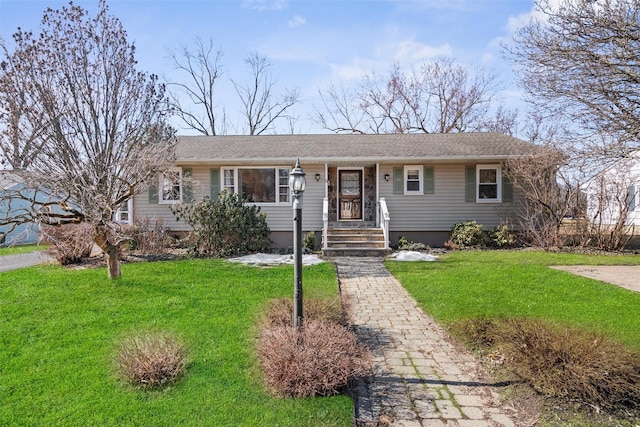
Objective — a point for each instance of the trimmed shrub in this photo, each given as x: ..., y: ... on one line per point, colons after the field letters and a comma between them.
x: 151, y: 360
x: 280, y: 311
x: 317, y: 360
x: 406, y: 245
x: 467, y: 234
x: 309, y: 242
x: 500, y: 237
x: 226, y: 227
x: 73, y: 242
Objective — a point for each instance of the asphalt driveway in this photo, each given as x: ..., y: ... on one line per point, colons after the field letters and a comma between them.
x: 13, y: 262
x: 627, y: 276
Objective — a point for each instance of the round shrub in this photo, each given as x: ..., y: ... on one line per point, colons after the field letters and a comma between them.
x: 151, y: 360
x: 317, y: 360
x: 280, y: 311
x: 467, y: 234
x: 225, y: 227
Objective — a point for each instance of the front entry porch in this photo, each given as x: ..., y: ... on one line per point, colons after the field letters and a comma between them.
x: 356, y: 223
x: 356, y: 238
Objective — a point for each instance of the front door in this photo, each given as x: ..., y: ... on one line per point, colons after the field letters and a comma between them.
x: 350, y: 194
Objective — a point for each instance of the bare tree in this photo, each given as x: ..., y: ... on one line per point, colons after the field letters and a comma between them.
x: 609, y: 206
x: 581, y: 61
x: 439, y: 96
x: 261, y: 108
x: 89, y: 130
x: 340, y: 111
x: 19, y: 114
x: 202, y: 67
x: 550, y: 194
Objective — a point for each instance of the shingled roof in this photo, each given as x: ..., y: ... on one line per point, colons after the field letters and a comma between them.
x: 337, y: 148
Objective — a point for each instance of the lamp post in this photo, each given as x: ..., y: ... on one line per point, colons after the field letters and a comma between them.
x: 297, y: 184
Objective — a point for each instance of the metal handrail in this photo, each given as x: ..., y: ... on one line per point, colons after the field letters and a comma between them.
x: 384, y: 224
x: 325, y: 220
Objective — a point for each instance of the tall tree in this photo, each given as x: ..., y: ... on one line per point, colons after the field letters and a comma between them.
x: 438, y: 96
x: 581, y: 60
x: 202, y: 67
x: 261, y: 106
x: 79, y: 124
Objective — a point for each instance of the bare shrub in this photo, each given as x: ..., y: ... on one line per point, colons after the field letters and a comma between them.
x: 151, y: 359
x: 319, y: 359
x: 149, y: 235
x: 72, y: 241
x: 280, y: 311
x: 562, y: 362
x: 570, y: 363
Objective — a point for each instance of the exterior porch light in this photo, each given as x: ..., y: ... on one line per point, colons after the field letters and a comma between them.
x: 317, y: 177
x: 297, y: 184
x: 386, y: 177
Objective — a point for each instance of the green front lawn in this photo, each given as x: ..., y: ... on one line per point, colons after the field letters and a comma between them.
x: 59, y: 329
x: 21, y: 249
x: 470, y: 284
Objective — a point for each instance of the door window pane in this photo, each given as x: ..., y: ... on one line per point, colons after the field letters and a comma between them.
x: 350, y: 183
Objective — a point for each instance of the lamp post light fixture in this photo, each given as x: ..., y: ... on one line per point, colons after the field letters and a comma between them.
x: 297, y: 184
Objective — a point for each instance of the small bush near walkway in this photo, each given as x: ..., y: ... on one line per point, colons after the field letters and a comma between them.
x: 318, y: 360
x: 280, y: 311
x: 560, y: 361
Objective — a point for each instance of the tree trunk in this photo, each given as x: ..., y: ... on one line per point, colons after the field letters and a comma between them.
x: 111, y: 253
x: 113, y: 262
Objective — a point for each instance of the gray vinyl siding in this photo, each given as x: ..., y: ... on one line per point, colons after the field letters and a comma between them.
x: 279, y: 217
x: 144, y: 209
x: 440, y: 210
x: 428, y: 212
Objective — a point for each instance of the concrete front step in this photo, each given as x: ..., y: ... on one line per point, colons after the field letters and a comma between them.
x: 355, y: 242
x: 355, y: 238
x: 359, y: 252
x: 354, y: 230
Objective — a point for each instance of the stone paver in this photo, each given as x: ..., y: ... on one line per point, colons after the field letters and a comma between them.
x: 419, y: 378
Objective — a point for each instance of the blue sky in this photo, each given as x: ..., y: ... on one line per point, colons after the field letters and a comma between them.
x: 309, y: 43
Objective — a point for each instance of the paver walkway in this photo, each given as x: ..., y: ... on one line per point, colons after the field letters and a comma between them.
x: 420, y: 378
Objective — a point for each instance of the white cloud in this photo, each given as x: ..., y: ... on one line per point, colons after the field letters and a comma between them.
x: 384, y: 56
x: 420, y: 5
x: 261, y: 5
x: 297, y: 21
x: 409, y: 50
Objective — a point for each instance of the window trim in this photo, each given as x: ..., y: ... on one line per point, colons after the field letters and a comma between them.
x: 236, y: 189
x: 498, y: 169
x: 405, y: 179
x: 161, y: 182
x: 223, y: 185
x: 127, y: 208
